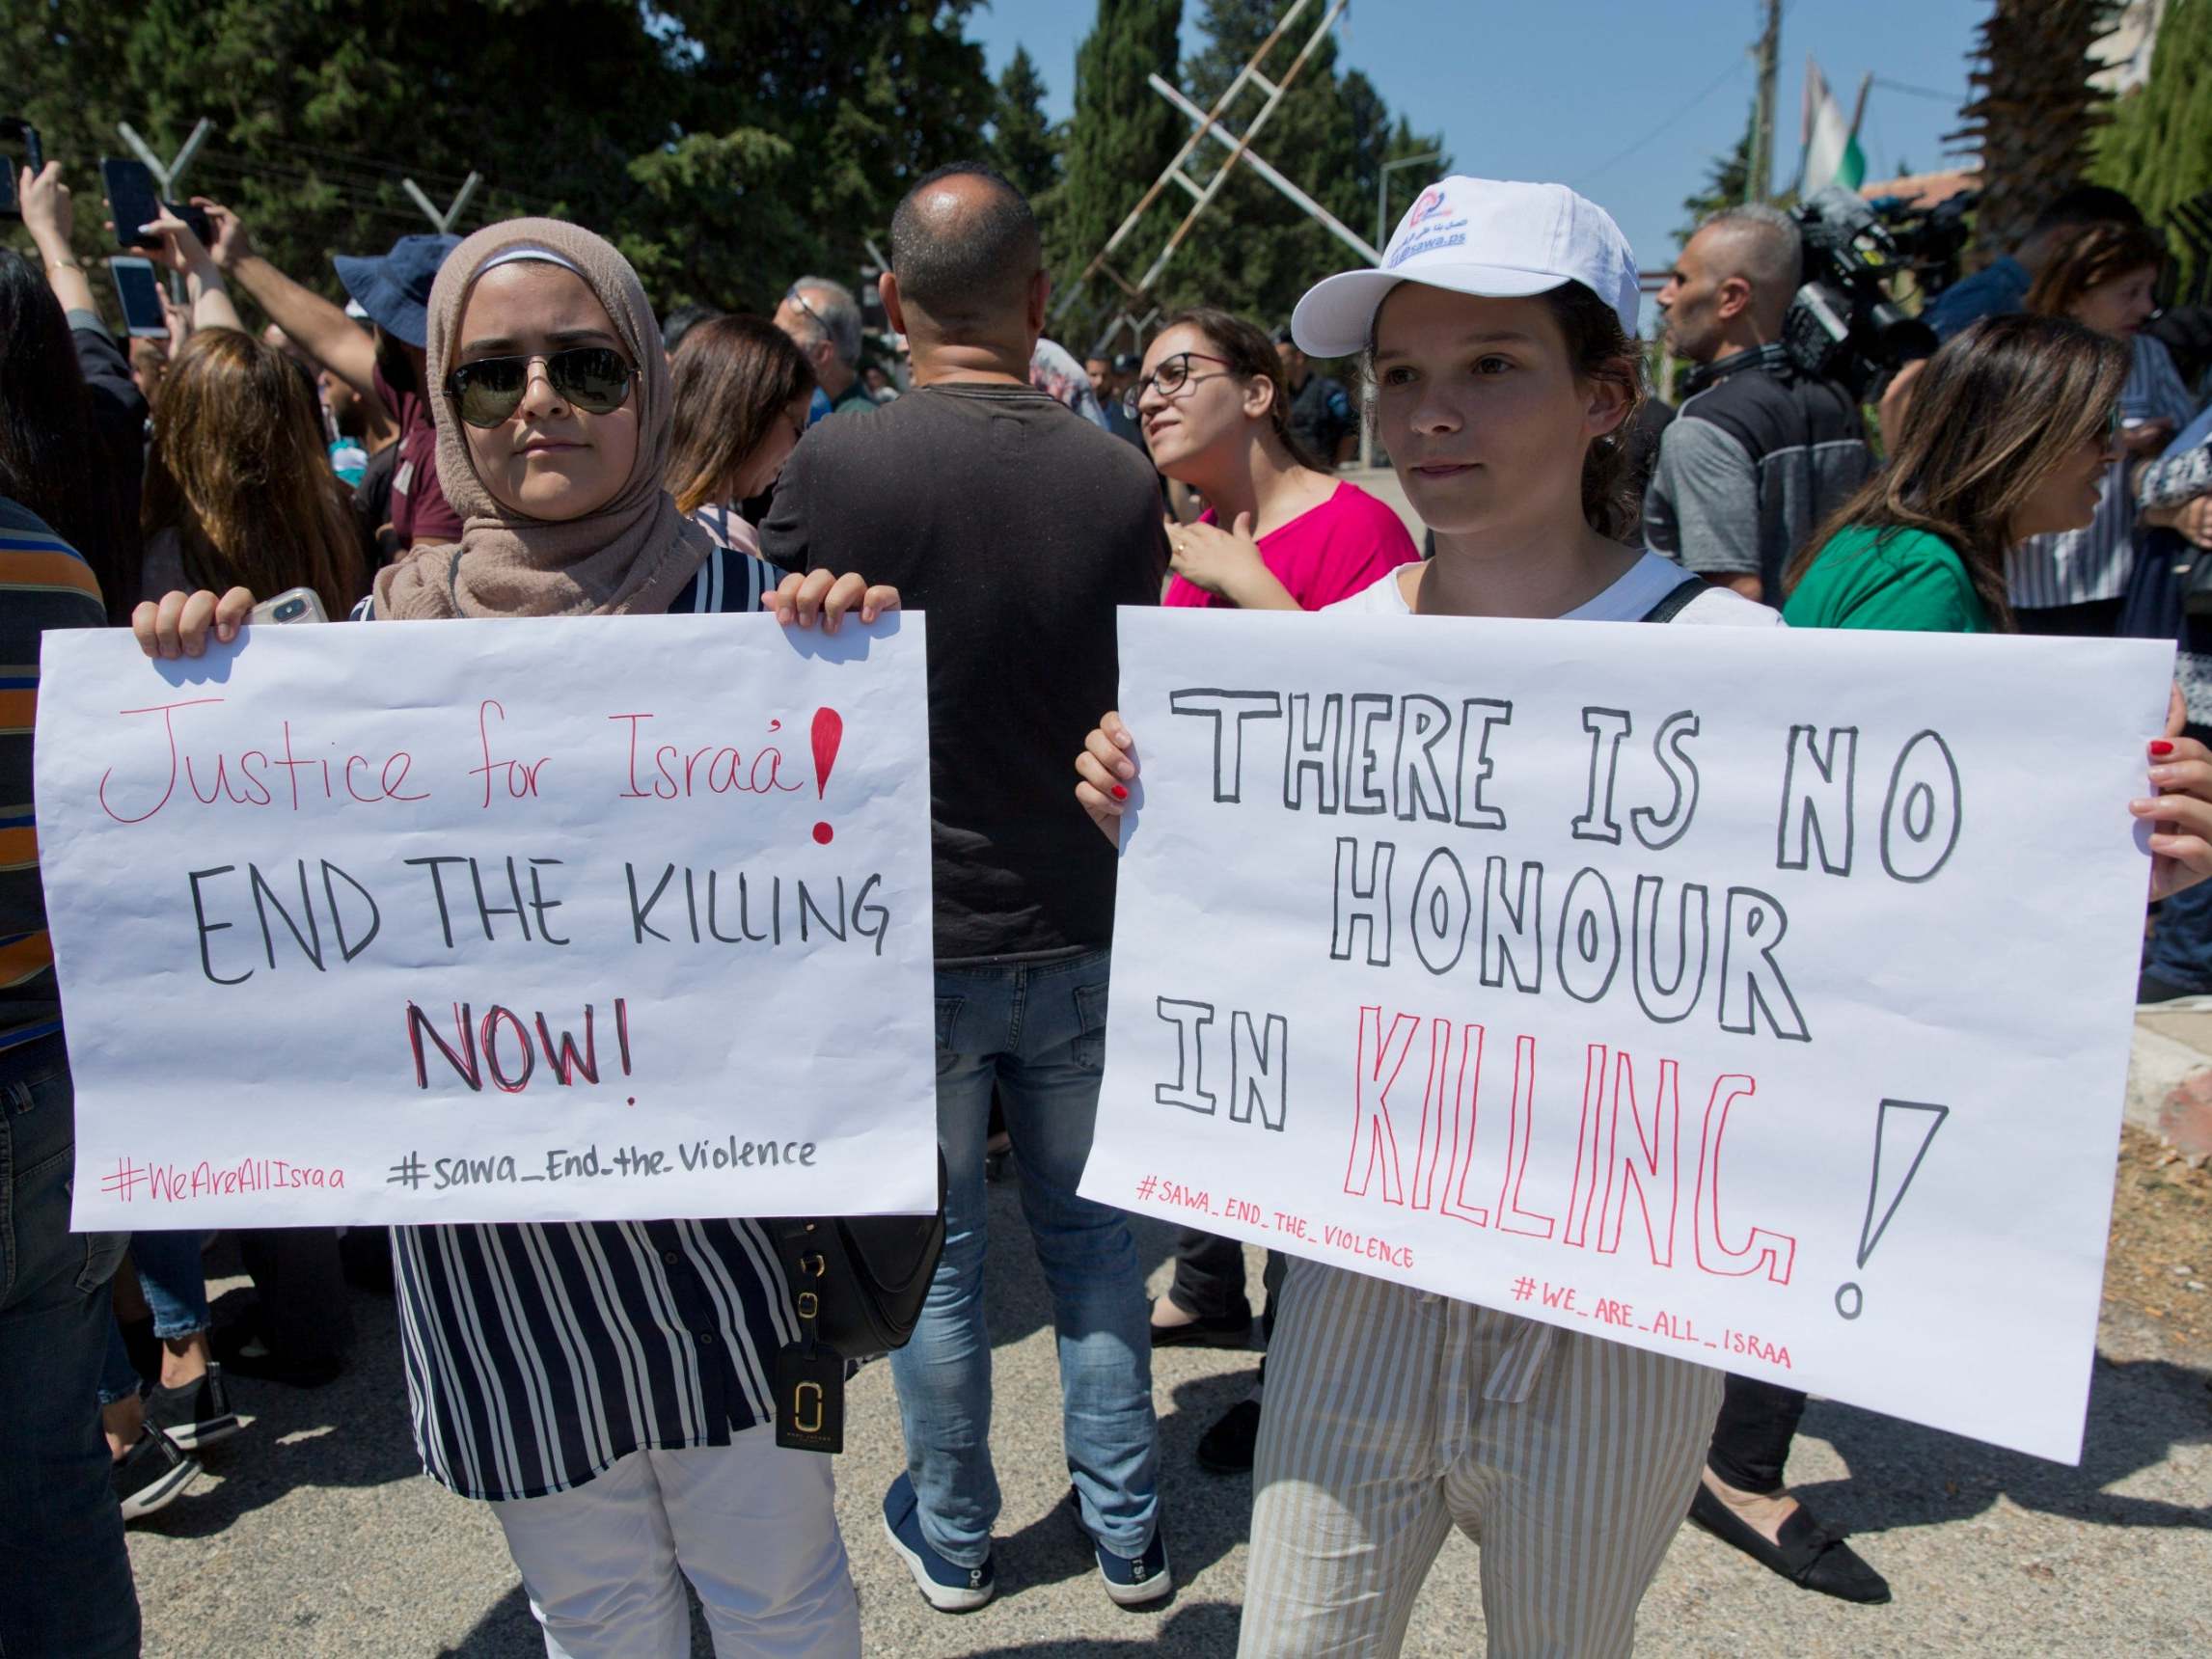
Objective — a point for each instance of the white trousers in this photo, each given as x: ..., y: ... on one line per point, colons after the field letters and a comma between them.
x: 753, y: 1526
x: 1394, y: 1416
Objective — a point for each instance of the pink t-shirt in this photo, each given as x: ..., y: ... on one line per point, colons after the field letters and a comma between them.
x: 1326, y: 554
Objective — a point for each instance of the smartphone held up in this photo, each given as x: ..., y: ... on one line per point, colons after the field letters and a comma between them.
x: 18, y: 149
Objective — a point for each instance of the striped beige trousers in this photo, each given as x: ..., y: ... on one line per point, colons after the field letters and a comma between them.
x: 1393, y: 1415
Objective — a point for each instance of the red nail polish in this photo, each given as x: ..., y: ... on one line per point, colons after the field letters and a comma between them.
x: 1119, y: 793
x: 2161, y: 747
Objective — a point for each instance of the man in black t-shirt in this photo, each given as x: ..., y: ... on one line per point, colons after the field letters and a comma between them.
x: 1321, y: 416
x: 1018, y: 528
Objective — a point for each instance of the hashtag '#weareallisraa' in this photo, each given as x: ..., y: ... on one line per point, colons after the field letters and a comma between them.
x: 1523, y: 1288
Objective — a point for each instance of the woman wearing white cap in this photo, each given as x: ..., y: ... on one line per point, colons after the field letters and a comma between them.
x: 1500, y: 329
x: 1501, y: 333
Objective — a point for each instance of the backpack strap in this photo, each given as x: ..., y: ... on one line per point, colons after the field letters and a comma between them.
x: 1676, y: 599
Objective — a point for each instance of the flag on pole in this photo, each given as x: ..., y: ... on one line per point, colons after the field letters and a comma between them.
x: 1831, y: 143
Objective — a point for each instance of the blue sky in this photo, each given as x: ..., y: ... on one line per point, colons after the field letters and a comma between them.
x: 1608, y: 95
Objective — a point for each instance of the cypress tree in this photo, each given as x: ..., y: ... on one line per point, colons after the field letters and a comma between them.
x: 1122, y: 133
x: 1023, y: 145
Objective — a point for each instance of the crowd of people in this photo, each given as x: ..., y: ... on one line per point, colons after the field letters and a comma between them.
x: 500, y: 426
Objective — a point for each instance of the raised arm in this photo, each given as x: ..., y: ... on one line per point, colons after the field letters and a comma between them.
x: 326, y: 332
x: 181, y: 251
x: 50, y: 217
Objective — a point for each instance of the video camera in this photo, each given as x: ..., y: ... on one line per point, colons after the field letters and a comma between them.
x: 1844, y: 326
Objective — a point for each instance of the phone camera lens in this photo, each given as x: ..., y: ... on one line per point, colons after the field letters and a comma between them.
x: 290, y: 609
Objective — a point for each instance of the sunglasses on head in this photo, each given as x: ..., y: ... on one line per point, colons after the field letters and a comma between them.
x: 594, y: 378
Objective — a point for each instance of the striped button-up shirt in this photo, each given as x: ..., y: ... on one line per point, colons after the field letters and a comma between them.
x: 2077, y: 566
x: 538, y: 1353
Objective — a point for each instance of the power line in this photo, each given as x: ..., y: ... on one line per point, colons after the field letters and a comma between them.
x: 1951, y: 98
x: 1733, y: 69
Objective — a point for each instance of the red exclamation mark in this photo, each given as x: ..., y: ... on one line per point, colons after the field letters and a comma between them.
x: 829, y: 731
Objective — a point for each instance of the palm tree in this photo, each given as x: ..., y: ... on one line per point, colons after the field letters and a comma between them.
x: 2034, y: 111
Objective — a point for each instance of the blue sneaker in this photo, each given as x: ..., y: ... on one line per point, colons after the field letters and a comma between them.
x: 1128, y: 1583
x: 948, y: 1588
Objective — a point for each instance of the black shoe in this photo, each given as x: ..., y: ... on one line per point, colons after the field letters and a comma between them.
x: 194, y: 1414
x: 2154, y: 993
x: 1226, y: 1448
x: 1220, y: 1331
x: 243, y: 1353
x: 1809, y: 1555
x: 150, y: 1474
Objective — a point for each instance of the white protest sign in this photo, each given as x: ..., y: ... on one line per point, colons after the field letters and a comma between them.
x: 563, y: 919
x: 1754, y: 995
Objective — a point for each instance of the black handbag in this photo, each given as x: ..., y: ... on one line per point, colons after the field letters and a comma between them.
x: 857, y: 1284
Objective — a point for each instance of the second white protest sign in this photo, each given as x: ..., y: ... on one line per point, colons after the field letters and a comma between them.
x: 1754, y: 995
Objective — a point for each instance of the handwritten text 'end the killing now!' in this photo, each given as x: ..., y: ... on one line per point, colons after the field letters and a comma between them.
x: 294, y: 771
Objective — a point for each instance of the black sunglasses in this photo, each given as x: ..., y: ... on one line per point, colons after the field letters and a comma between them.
x: 593, y: 377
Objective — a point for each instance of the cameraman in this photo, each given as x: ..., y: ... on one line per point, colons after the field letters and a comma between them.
x: 1759, y: 452
x: 2001, y: 285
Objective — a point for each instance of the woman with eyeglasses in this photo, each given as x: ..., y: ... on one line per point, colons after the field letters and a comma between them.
x: 1215, y: 411
x: 742, y: 393
x: 604, y: 1385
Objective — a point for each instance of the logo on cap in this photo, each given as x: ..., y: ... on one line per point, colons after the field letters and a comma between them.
x: 1431, y: 205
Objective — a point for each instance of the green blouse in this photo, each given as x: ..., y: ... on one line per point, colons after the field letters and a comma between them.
x: 1898, y: 578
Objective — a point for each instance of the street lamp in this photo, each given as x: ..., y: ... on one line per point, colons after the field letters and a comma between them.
x: 1383, y: 240
x: 1383, y: 192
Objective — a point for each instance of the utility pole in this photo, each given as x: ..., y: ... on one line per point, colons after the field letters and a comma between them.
x: 1758, y: 179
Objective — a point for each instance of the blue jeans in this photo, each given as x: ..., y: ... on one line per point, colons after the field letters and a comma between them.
x: 176, y: 1287
x: 68, y: 1587
x: 1038, y: 1033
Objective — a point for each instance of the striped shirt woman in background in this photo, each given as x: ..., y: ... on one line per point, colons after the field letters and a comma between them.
x: 605, y: 1385
x: 2102, y: 275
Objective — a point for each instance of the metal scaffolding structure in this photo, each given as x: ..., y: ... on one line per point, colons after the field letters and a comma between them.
x: 1210, y: 125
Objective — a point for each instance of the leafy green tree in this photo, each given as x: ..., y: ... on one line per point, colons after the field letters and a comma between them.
x: 866, y: 94
x: 724, y: 146
x: 2158, y: 144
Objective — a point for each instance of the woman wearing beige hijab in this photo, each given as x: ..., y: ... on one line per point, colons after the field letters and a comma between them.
x: 605, y: 1385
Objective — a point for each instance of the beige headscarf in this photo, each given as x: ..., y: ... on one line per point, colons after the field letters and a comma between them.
x: 633, y: 555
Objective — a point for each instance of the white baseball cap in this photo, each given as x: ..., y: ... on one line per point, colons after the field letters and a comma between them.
x: 1483, y: 237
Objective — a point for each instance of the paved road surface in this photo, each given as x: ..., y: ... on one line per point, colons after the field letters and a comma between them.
x: 315, y: 1533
